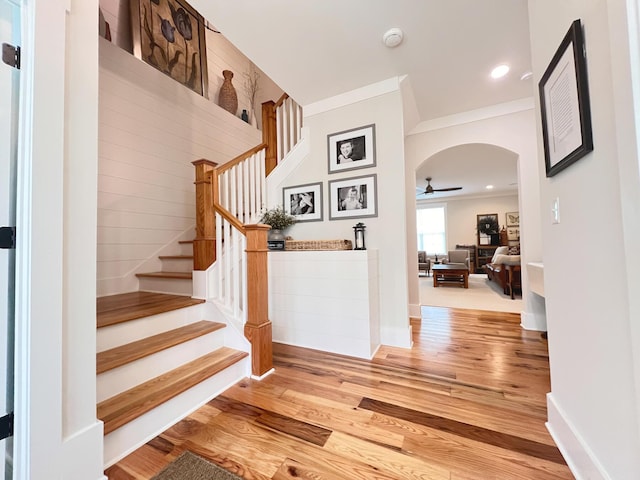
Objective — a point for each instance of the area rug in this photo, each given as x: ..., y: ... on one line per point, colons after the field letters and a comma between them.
x: 189, y: 466
x: 482, y: 294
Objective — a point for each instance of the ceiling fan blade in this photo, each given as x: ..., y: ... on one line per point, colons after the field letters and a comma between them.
x: 446, y: 189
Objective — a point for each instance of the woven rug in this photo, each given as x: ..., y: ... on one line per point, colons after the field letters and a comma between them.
x: 189, y: 466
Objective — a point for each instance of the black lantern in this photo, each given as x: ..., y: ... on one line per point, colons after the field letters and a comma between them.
x: 358, y: 231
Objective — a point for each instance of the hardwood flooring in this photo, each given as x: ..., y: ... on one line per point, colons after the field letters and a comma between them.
x: 467, y: 402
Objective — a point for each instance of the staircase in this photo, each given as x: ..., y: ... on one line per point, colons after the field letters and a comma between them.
x: 175, y: 277
x: 158, y: 359
x: 162, y: 354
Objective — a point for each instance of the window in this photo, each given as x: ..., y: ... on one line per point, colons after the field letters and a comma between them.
x: 431, y: 230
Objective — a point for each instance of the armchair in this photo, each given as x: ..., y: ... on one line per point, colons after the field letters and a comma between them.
x: 458, y: 256
x: 424, y: 262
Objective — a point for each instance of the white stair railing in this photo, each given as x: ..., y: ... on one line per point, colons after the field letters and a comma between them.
x: 288, y: 126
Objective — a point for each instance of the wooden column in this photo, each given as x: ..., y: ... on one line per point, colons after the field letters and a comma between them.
x: 258, y: 326
x: 204, y: 245
x: 270, y: 135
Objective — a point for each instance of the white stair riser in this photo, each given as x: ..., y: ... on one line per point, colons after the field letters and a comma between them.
x: 127, y: 332
x: 186, y: 249
x: 136, y: 433
x: 176, y: 286
x: 177, y: 264
x: 127, y: 376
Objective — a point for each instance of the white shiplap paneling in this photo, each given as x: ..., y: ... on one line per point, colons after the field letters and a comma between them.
x: 151, y: 129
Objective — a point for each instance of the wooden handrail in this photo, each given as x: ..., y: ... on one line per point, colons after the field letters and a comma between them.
x: 240, y: 158
x: 281, y: 100
x: 228, y: 216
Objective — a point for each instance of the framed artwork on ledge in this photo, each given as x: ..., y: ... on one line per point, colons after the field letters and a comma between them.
x: 488, y: 229
x: 304, y: 202
x: 564, y: 103
x: 352, y: 149
x: 354, y: 197
x: 169, y: 35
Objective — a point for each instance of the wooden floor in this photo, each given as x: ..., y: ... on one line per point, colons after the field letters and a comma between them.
x: 467, y: 402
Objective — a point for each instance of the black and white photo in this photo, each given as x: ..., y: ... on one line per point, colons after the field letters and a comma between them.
x: 353, y: 197
x: 351, y: 149
x: 304, y: 202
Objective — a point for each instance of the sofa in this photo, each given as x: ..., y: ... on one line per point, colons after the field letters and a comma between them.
x: 496, y: 270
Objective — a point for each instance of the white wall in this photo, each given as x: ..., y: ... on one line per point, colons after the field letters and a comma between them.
x: 151, y: 129
x: 386, y: 232
x: 57, y: 434
x: 593, y: 336
x: 514, y: 132
x: 461, y: 216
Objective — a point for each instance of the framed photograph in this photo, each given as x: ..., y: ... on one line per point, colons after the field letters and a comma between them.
x: 169, y: 35
x: 564, y: 101
x: 352, y: 149
x: 354, y: 197
x: 513, y: 219
x: 303, y: 202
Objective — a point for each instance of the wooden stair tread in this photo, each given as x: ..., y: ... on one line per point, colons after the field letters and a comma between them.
x: 118, y: 356
x: 131, y: 404
x: 176, y: 257
x: 185, y: 241
x: 120, y: 308
x: 180, y: 275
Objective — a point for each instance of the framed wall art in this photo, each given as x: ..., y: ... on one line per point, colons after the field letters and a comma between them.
x: 488, y: 229
x: 169, y: 35
x: 354, y: 197
x: 304, y: 202
x: 352, y: 149
x: 564, y: 103
x: 513, y: 219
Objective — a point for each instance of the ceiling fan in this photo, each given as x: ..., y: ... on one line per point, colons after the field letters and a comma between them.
x: 430, y: 189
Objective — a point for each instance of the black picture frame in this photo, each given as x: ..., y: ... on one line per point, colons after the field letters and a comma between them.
x: 564, y: 104
x: 170, y: 36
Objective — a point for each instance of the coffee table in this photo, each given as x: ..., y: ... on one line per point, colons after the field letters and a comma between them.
x: 450, y: 273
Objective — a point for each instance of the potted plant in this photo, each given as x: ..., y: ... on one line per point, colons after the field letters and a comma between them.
x: 279, y: 221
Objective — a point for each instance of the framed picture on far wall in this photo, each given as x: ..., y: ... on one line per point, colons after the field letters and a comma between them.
x: 513, y: 219
x: 354, y: 197
x: 304, y: 202
x: 351, y: 149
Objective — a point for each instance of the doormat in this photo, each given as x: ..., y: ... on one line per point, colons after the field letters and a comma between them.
x: 189, y: 466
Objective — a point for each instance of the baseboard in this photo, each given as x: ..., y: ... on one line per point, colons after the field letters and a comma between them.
x: 579, y: 457
x: 414, y: 311
x: 533, y: 321
x: 396, y: 337
x: 83, y: 453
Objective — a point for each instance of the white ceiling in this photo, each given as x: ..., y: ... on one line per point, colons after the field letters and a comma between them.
x: 318, y: 49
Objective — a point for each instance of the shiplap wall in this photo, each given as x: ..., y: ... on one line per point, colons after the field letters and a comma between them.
x: 150, y: 130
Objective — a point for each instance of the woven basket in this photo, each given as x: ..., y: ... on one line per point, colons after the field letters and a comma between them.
x: 318, y: 245
x: 228, y: 98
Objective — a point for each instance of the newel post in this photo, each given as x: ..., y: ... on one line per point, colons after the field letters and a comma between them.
x: 270, y: 135
x: 204, y: 245
x: 258, y: 326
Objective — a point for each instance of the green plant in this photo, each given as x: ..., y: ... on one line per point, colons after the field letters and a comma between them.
x: 277, y: 218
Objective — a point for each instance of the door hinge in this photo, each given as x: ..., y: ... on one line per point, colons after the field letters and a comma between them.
x: 11, y: 55
x: 7, y: 237
x: 6, y: 426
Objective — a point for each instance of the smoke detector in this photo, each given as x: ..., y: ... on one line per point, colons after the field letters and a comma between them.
x: 392, y: 37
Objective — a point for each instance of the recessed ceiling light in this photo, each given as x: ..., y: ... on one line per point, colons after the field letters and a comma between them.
x: 500, y: 71
x: 489, y: 187
x: 392, y: 37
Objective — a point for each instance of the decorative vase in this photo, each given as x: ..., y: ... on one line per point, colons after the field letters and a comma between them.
x: 276, y: 235
x: 245, y: 116
x: 228, y: 98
